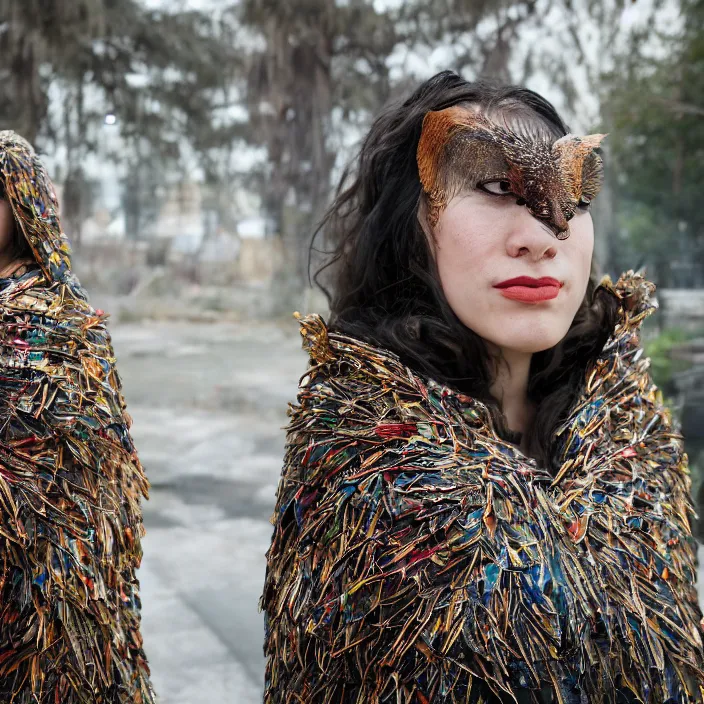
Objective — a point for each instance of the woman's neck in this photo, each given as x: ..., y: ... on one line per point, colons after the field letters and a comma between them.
x: 510, y: 388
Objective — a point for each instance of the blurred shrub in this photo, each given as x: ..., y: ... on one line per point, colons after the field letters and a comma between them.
x: 662, y: 366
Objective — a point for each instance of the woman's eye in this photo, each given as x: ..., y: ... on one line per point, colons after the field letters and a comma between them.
x: 584, y: 204
x: 497, y: 188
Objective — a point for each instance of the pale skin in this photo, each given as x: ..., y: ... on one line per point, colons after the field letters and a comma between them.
x: 483, y: 238
x: 8, y: 263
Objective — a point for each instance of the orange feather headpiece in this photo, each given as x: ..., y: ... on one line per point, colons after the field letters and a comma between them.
x: 460, y: 148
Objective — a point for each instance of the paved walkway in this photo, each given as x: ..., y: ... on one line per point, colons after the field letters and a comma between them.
x: 208, y: 403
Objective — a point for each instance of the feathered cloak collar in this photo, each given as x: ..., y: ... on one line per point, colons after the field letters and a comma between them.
x: 417, y: 557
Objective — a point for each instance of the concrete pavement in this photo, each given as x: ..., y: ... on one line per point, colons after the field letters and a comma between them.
x: 208, y: 403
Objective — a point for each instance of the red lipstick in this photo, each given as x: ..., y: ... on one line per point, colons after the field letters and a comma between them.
x: 530, y: 290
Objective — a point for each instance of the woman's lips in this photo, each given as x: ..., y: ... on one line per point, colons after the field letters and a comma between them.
x: 530, y: 295
x: 530, y: 290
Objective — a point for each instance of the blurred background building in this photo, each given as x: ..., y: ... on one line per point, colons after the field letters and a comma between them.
x: 195, y: 144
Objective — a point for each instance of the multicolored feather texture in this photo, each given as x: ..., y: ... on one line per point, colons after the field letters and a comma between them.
x: 417, y: 558
x: 70, y: 479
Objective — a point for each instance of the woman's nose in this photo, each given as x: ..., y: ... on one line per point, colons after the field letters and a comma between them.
x: 531, y: 238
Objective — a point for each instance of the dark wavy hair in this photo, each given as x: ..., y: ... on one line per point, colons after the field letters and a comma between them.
x: 385, y: 285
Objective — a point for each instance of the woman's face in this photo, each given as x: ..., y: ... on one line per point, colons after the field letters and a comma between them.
x: 482, y: 239
x: 7, y: 226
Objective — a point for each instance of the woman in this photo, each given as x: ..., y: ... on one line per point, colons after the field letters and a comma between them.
x: 70, y: 479
x: 483, y: 498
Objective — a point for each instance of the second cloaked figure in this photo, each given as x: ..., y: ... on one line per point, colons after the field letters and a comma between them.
x: 70, y: 479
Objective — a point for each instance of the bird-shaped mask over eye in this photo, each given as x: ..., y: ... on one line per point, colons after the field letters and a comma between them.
x: 460, y: 149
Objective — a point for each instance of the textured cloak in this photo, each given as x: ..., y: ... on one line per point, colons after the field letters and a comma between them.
x: 418, y: 558
x: 70, y: 479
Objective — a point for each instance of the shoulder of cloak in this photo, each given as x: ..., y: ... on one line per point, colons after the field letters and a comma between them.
x: 623, y: 354
x: 370, y: 387
x: 59, y: 374
x: 360, y: 408
x: 351, y: 401
x: 636, y: 298
x: 345, y: 369
x: 54, y: 317
x: 328, y: 347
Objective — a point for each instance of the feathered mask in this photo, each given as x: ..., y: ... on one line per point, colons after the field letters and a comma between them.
x: 460, y: 149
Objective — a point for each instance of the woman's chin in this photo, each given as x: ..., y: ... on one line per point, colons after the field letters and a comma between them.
x: 526, y: 338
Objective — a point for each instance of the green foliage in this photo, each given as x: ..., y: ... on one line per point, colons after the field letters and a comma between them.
x: 662, y: 366
x: 653, y: 109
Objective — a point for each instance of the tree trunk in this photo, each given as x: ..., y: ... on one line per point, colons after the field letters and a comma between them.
x: 25, y: 102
